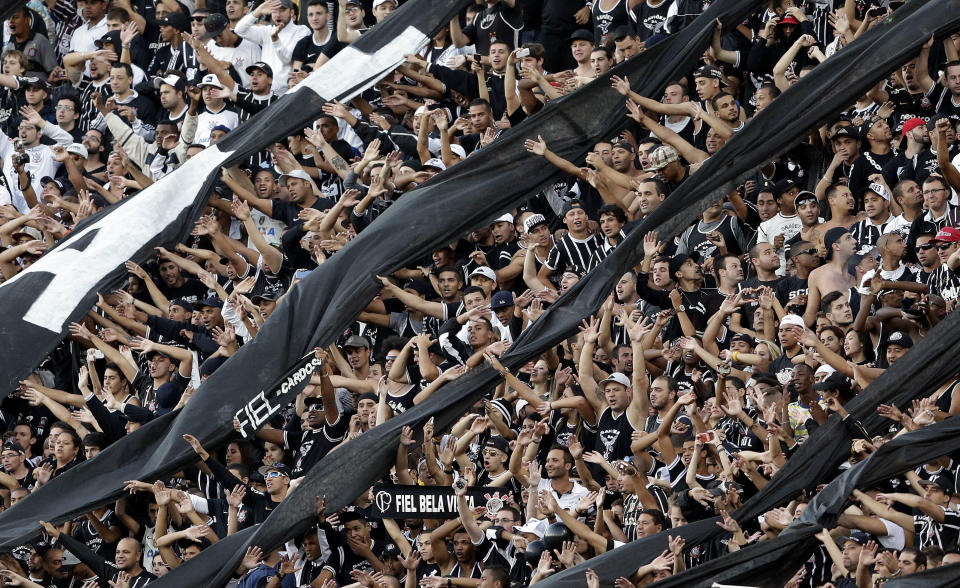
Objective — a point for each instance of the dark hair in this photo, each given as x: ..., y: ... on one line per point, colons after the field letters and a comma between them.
x: 450, y: 268
x: 72, y: 98
x: 394, y: 342
x: 671, y: 383
x: 615, y: 211
x: 683, y: 87
x: 112, y: 366
x: 567, y: 457
x: 481, y: 102
x: 919, y: 557
x: 498, y: 574
x: 738, y: 383
x: 661, y: 187
x: 96, y: 439
x: 605, y: 49
x: 827, y: 301
x: 471, y: 290
x: 770, y: 87
x: 319, y: 3
x: 937, y: 178
x: 765, y: 378
x: 657, y: 516
x: 720, y: 262
x: 124, y: 66
x: 622, y: 32
x: 517, y: 516
x: 537, y: 51
x: 118, y: 13
x: 713, y: 101
x: 242, y: 471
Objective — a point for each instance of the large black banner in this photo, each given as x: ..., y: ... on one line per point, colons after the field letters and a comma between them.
x: 62, y: 285
x: 315, y: 312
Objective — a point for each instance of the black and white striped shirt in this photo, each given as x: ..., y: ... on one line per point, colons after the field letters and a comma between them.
x: 570, y: 254
x: 944, y: 535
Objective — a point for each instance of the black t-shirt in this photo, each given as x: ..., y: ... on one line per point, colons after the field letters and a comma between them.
x: 501, y: 22
x: 307, y: 51
x: 287, y: 212
x: 192, y: 290
x: 344, y: 560
x: 790, y: 287
x: 649, y: 20
x: 312, y: 446
x: 87, y: 535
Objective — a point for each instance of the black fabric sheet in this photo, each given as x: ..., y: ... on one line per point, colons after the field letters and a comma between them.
x: 345, y: 282
x: 942, y: 577
x: 62, y: 285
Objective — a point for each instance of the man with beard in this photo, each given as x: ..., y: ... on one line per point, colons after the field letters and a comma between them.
x: 808, y: 210
x: 277, y: 40
x: 127, y: 558
x: 917, y: 160
x: 833, y: 277
x: 650, y: 193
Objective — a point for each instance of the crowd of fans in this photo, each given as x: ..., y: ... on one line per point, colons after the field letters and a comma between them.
x: 723, y: 350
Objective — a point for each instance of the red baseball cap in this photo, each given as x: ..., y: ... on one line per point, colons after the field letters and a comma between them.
x: 948, y: 235
x: 789, y: 19
x: 912, y: 123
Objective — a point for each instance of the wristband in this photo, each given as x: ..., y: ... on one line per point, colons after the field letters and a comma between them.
x: 734, y: 356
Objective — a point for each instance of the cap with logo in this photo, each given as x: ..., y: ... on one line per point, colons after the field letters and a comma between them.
x: 262, y: 66
x: 900, y: 339
x: 880, y: 190
x: 677, y: 261
x: 947, y: 235
x: 295, y: 173
x: 942, y: 482
x: 177, y: 20
x: 485, y: 272
x: 708, y: 71
x: 502, y: 299
x: 174, y: 80
x: 793, y: 320
x: 845, y: 131
x: 210, y: 302
x: 210, y: 80
x: 616, y: 378
x: 434, y: 162
x: 213, y: 25
x: 534, y: 220
x: 804, y: 196
x: 275, y: 467
x: 498, y: 443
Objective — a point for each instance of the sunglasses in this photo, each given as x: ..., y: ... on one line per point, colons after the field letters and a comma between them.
x: 198, y: 18
x: 945, y: 246
x: 810, y: 251
x: 274, y: 474
x: 926, y: 246
x: 491, y: 452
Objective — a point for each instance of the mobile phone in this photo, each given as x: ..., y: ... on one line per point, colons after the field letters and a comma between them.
x: 302, y: 273
x: 706, y: 437
x: 521, y: 53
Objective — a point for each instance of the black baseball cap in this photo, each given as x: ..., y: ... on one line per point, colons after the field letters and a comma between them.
x: 177, y: 20
x: 677, y: 261
x: 581, y: 35
x: 214, y: 24
x: 261, y: 66
x: 708, y: 71
x: 942, y: 482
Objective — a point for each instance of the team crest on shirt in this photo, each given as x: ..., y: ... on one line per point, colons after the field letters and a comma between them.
x: 609, y: 438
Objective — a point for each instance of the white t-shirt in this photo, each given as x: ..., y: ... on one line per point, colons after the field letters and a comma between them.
x: 569, y: 500
x: 788, y: 226
x: 277, y: 54
x: 241, y: 56
x: 206, y: 120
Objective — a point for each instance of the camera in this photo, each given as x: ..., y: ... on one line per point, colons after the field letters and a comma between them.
x: 21, y: 159
x: 459, y: 484
x: 525, y: 52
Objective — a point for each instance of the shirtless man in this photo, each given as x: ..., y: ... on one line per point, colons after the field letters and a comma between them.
x: 832, y: 277
x: 842, y: 208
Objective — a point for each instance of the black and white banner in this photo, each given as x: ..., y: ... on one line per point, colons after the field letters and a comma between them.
x: 433, y: 502
x: 261, y: 408
x: 316, y: 311
x: 62, y: 285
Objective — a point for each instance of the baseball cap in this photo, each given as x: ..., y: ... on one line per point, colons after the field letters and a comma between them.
x: 900, y: 338
x: 498, y: 443
x: 275, y: 467
x: 745, y: 338
x: 661, y: 157
x: 211, y: 301
x: 506, y: 218
x: 708, y: 71
x: 379, y: 2
x: 357, y: 341
x: 177, y: 20
x: 434, y: 162
x: 210, y: 80
x: 223, y: 128
x: 214, y: 24
x: 36, y: 81
x: 793, y: 320
x: 533, y: 221
x: 942, y: 482
x: 13, y: 446
x: 932, y: 122
x: 485, y: 272
x: 581, y: 35
x: 60, y: 183
x: 296, y: 173
x: 788, y: 19
x: 421, y: 287
x: 832, y: 236
x: 570, y: 205
x: 912, y: 123
x: 184, y: 304
x: 834, y: 381
x: 458, y: 150
x: 783, y: 186
x: 112, y: 37
x: 845, y: 131
x: 767, y: 186
x: 262, y: 66
x: 858, y: 537
x: 626, y: 146
x: 677, y: 261
x: 174, y: 80
x: 502, y: 299
x: 947, y: 235
x: 616, y: 377
x: 879, y: 190
x: 804, y: 196
x: 271, y: 294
